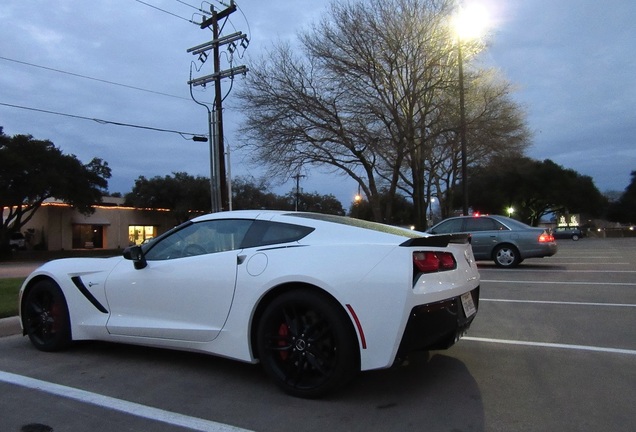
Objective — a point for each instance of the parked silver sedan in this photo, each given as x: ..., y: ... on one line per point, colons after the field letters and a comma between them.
x: 504, y: 240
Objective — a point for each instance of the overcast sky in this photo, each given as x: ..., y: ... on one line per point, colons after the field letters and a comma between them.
x: 573, y: 64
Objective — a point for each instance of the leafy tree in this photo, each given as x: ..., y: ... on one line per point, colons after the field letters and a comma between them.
x: 189, y: 196
x: 373, y: 94
x: 315, y: 202
x: 533, y: 188
x: 32, y: 171
x: 624, y: 210
x: 248, y: 194
x: 401, y: 214
x: 182, y: 193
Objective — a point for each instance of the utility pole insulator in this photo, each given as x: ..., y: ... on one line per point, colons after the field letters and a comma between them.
x: 216, y: 16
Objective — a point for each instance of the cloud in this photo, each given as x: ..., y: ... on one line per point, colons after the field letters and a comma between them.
x: 572, y: 61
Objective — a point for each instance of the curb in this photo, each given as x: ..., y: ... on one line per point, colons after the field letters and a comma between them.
x: 10, y: 326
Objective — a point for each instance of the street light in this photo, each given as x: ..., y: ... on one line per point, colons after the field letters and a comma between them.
x: 469, y: 23
x: 462, y: 127
x: 358, y: 196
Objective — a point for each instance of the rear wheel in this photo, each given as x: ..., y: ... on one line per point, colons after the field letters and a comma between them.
x: 45, y: 317
x: 506, y: 256
x: 306, y: 344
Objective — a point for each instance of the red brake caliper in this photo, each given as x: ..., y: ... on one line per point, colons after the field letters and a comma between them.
x: 283, y: 332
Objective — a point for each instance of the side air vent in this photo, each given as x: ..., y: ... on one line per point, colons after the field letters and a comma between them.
x: 86, y: 293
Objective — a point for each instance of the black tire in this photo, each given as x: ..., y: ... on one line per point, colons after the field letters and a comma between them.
x: 306, y: 344
x: 45, y: 317
x: 506, y: 256
x: 575, y: 237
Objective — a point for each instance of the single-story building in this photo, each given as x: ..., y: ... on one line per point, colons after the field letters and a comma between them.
x: 58, y: 226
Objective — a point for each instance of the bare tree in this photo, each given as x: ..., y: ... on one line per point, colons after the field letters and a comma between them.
x: 495, y: 127
x: 371, y: 95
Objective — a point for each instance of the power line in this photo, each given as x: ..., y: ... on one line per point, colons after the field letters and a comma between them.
x: 183, y: 135
x: 193, y: 7
x: 91, y: 78
x: 166, y: 12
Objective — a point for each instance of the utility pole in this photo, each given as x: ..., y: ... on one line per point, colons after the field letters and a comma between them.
x: 298, y: 177
x: 218, y: 177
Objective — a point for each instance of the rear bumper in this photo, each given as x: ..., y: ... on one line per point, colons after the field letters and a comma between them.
x: 541, y: 251
x: 436, y: 325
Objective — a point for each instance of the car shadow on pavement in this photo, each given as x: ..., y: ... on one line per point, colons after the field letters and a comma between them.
x: 432, y: 390
x: 440, y: 389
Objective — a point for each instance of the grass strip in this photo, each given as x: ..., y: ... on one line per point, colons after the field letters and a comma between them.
x: 9, y: 289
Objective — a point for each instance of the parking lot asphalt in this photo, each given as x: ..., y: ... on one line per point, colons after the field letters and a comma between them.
x: 553, y: 348
x: 9, y: 326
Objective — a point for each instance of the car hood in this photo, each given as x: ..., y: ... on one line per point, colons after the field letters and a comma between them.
x: 76, y: 266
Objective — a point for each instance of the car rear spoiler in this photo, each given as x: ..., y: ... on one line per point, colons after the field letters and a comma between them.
x: 441, y: 240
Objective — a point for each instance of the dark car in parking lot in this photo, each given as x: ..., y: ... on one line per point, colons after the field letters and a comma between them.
x: 17, y: 241
x: 504, y: 240
x: 565, y: 232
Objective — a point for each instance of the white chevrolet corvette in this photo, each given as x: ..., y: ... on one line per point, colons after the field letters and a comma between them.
x: 313, y: 298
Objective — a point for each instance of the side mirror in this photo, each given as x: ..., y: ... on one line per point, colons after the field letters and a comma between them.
x: 136, y: 254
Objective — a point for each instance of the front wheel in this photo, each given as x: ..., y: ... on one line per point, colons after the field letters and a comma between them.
x: 45, y: 317
x: 306, y: 344
x: 506, y: 256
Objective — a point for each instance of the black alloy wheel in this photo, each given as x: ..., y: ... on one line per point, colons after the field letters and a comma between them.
x: 45, y: 317
x: 306, y: 344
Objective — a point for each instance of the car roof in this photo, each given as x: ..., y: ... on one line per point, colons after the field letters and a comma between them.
x: 509, y: 222
x: 334, y: 225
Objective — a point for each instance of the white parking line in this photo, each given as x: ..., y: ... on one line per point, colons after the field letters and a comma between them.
x: 592, y: 257
x: 587, y: 263
x: 131, y: 408
x: 551, y: 345
x: 559, y: 302
x: 559, y: 283
x: 542, y: 270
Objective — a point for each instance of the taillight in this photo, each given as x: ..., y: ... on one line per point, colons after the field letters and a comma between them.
x: 429, y: 262
x: 546, y: 238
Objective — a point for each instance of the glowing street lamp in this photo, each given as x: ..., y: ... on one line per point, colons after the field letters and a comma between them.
x: 358, y: 198
x: 469, y: 23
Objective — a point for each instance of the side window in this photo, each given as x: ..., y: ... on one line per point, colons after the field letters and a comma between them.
x: 482, y: 224
x: 264, y: 233
x: 449, y: 226
x: 499, y: 226
x: 200, y: 238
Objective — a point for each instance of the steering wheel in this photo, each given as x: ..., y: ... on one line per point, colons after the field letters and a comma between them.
x: 193, y: 249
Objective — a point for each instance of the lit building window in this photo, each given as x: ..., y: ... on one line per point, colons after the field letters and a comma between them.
x: 137, y: 234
